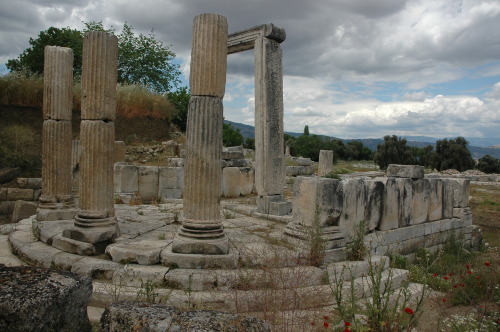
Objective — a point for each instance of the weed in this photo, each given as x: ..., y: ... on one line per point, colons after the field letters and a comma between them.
x: 316, y: 241
x: 147, y: 292
x: 356, y: 249
x: 228, y: 214
x: 162, y: 236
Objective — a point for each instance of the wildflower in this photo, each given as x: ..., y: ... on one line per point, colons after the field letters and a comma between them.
x: 487, y: 263
x: 325, y: 317
x: 462, y: 285
x: 325, y: 325
x: 446, y: 278
x: 477, y: 277
x: 347, y: 324
x: 455, y: 285
x: 444, y: 300
x: 450, y: 274
x: 409, y: 311
x: 347, y: 329
x: 435, y: 275
x: 469, y: 272
x: 467, y: 266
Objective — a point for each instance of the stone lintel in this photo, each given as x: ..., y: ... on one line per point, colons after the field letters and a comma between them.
x: 244, y: 40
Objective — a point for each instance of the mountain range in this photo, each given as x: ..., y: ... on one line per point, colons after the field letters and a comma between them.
x: 478, y: 146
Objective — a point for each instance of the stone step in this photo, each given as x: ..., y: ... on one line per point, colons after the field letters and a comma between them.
x: 347, y: 270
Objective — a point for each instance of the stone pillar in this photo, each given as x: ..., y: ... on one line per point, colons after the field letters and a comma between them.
x: 269, y: 155
x: 56, y: 201
x: 202, y: 231
x: 95, y: 224
x: 325, y: 162
x: 287, y: 150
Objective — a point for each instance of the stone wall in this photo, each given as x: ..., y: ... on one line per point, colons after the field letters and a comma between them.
x: 22, y: 201
x: 399, y: 212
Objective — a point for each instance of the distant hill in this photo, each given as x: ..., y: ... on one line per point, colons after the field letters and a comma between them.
x: 485, y: 145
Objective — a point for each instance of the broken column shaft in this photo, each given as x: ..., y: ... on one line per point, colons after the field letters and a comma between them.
x: 202, y: 231
x: 56, y: 201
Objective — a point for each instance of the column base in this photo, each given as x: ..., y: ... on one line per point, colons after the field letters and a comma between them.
x: 100, y: 230
x: 273, y: 204
x: 49, y: 214
x: 199, y: 261
x: 209, y: 240
x: 302, y: 236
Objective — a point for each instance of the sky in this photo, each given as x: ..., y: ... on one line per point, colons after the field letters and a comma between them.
x: 352, y: 68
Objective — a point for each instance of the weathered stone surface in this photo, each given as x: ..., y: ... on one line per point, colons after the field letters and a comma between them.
x: 23, y: 210
x: 303, y: 161
x: 126, y: 316
x: 14, y: 194
x: 237, y: 181
x: 232, y: 152
x: 126, y: 178
x: 119, y: 155
x: 145, y: 252
x: 148, y: 182
x: 325, y: 162
x: 170, y: 182
x: 299, y: 170
x: 461, y: 192
x: 175, y: 162
x: 421, y: 201
x: 405, y: 171
x: 99, y: 76
x: 245, y: 40
x: 448, y: 197
x: 355, y: 198
x: 37, y: 299
x: 58, y: 83
x: 397, y: 204
x: 3, y: 194
x: 208, y: 56
x: 436, y: 199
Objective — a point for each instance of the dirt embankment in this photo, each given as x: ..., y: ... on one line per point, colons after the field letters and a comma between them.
x: 135, y: 129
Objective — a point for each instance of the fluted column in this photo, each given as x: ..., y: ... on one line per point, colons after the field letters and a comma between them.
x: 202, y: 231
x: 56, y: 201
x: 96, y: 222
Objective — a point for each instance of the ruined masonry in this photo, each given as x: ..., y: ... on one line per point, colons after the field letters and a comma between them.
x: 56, y: 201
x: 95, y: 225
x: 202, y: 231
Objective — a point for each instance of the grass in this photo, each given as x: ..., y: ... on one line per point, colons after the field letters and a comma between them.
x: 131, y: 100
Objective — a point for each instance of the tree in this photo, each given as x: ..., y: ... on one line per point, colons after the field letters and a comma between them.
x: 355, y: 150
x: 142, y: 59
x: 393, y: 151
x: 452, y: 154
x: 423, y: 156
x: 249, y: 143
x: 31, y: 60
x: 489, y: 164
x: 306, y: 130
x: 180, y: 99
x: 231, y: 136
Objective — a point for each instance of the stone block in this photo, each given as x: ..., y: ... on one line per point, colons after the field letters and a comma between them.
x: 14, y: 194
x: 170, y: 182
x: 142, y: 316
x: 119, y: 153
x: 299, y: 170
x: 232, y: 152
x: 236, y: 163
x: 175, y: 162
x: 170, y: 148
x: 317, y: 193
x: 325, y: 162
x: 237, y: 181
x: 375, y: 202
x: 447, y: 199
x: 3, y: 194
x: 145, y: 252
x: 303, y: 161
x: 280, y: 208
x: 38, y: 299
x: 22, y: 182
x: 405, y: 171
x: 126, y: 178
x: 148, y: 183
x: 461, y: 192
x: 355, y: 200
x: 397, y: 203
x: 35, y: 183
x: 6, y: 207
x: 421, y: 201
x: 435, y: 199
x: 23, y: 210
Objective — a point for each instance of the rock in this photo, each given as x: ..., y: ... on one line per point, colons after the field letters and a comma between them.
x: 233, y: 152
x: 142, y: 316
x: 23, y: 210
x: 405, y: 171
x: 14, y: 194
x: 38, y: 299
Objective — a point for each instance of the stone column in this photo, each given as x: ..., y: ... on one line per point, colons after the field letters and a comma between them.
x: 325, y: 162
x: 202, y: 231
x: 95, y: 223
x: 56, y: 201
x: 269, y: 154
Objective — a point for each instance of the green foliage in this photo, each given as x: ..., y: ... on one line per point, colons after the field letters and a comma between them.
x: 356, y: 249
x: 393, y: 151
x: 489, y: 164
x: 423, y: 156
x: 306, y: 130
x: 17, y: 149
x: 249, y: 143
x: 309, y: 146
x: 142, y: 59
x: 452, y: 153
x: 31, y: 60
x: 231, y: 136
x: 355, y: 150
x: 180, y: 99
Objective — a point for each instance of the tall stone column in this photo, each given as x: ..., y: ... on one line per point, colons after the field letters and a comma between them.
x: 95, y: 224
x: 269, y: 154
x: 56, y: 201
x: 202, y: 231
x: 325, y: 162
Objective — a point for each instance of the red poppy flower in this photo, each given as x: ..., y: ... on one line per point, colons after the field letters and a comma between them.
x: 446, y: 278
x: 435, y: 275
x: 487, y: 263
x: 467, y: 266
x: 325, y: 324
x: 469, y: 272
x: 347, y: 324
x: 347, y: 330
x: 325, y: 317
x: 444, y: 300
x: 409, y: 311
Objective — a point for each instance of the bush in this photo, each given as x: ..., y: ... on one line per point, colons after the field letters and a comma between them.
x: 393, y: 151
x: 17, y: 149
x: 489, y: 164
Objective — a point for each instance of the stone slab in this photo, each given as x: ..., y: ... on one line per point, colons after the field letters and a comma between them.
x: 144, y: 252
x: 196, y: 261
x: 23, y: 210
x: 14, y: 194
x: 405, y: 171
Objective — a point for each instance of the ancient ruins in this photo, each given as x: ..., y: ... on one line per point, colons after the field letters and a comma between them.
x: 193, y: 236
